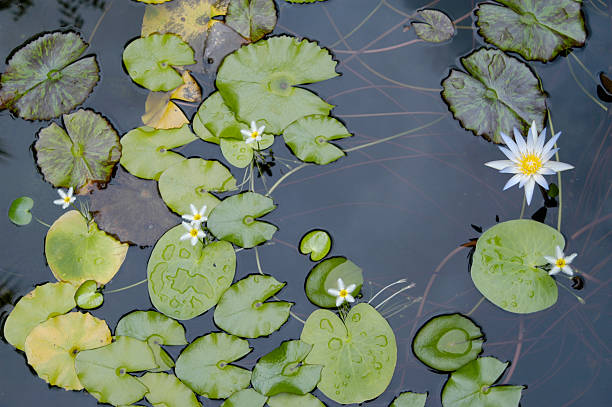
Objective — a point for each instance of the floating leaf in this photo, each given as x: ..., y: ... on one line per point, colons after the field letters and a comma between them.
x: 258, y: 81
x: 606, y: 82
x: 186, y: 281
x: 504, y: 267
x: 358, y: 354
x: 48, y: 69
x: 317, y: 243
x: 168, y: 391
x: 77, y: 251
x: 87, y: 296
x: 52, y: 346
x: 162, y: 113
x: 536, y: 30
x: 242, y: 309
x: 204, y: 365
x: 234, y: 219
x: 83, y: 154
x: 153, y: 1
x: 309, y: 138
x: 220, y: 42
x: 40, y: 304
x: 447, y: 342
x: 294, y: 400
x: 19, y: 211
x: 437, y: 26
x: 325, y: 275
x: 252, y: 18
x: 472, y: 386
x: 192, y: 181
x: 147, y: 151
x: 245, y: 398
x: 409, y: 399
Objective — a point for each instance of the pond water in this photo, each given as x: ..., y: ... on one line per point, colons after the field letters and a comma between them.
x: 398, y: 209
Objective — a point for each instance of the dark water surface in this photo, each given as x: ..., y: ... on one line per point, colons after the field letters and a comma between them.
x: 398, y: 209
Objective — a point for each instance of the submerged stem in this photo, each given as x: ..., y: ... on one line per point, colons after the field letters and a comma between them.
x: 126, y: 287
x: 560, y: 212
x: 393, y: 295
x: 579, y: 298
x: 41, y: 222
x: 281, y: 179
x: 475, y: 307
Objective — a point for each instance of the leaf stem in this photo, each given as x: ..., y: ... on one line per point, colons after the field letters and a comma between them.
x: 560, y: 212
x: 127, y: 287
x: 93, y: 32
x: 475, y: 307
x: 579, y: 298
x: 393, y: 295
x: 523, y: 207
x: 281, y: 179
x: 586, y: 92
x: 41, y: 222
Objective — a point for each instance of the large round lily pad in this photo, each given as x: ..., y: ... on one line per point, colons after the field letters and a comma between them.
x: 52, y: 346
x: 204, y: 365
x: 325, y: 275
x: 309, y: 138
x: 48, y: 68
x: 184, y: 280
x: 84, y: 153
x: 358, y: 355
x: 245, y: 398
x: 168, y: 391
x: 504, y: 267
x: 252, y: 18
x: 77, y: 251
x: 498, y: 93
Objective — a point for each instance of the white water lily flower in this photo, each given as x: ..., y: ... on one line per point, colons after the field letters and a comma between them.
x: 529, y: 161
x: 193, y: 232
x: 196, y: 216
x: 342, y: 293
x: 560, y: 262
x: 67, y: 198
x: 254, y: 134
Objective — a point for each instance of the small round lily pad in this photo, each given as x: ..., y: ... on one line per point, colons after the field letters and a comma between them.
x: 294, y: 400
x: 168, y: 391
x: 88, y: 296
x: 19, y: 211
x: 436, y: 26
x: 317, y: 243
x: 410, y: 399
x: 245, y: 398
x: 252, y: 18
x: 325, y: 275
x: 309, y: 138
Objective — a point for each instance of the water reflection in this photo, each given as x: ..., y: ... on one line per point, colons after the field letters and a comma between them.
x: 69, y: 10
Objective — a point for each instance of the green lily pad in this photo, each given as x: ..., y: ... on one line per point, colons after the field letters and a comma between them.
x: 51, y: 347
x: 317, y: 243
x: 437, y: 26
x: 234, y: 219
x: 504, y: 267
x: 45, y: 301
x: 245, y: 398
x: 486, y: 102
x: 87, y: 296
x: 472, y: 386
x: 83, y: 154
x: 325, y: 275
x: 214, y: 120
x: 282, y: 370
x: 150, y: 61
x: 48, y: 68
x: 409, y: 399
x: 309, y: 138
x: 77, y: 251
x: 204, y: 366
x: 258, y: 81
x: 536, y: 30
x: 242, y: 309
x: 447, y: 342
x: 146, y: 324
x: 186, y: 281
x: 253, y: 19
x: 358, y: 355
x: 147, y: 151
x: 168, y: 391
x: 294, y: 400
x: 192, y: 181
x: 19, y: 211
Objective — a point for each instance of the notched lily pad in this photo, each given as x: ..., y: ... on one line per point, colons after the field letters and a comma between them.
x: 325, y: 275
x: 294, y: 400
x: 245, y: 398
x: 410, y: 399
x: 309, y: 138
x: 437, y: 26
x: 87, y: 296
x: 317, y: 243
x: 19, y: 211
x: 168, y: 391
x: 253, y: 19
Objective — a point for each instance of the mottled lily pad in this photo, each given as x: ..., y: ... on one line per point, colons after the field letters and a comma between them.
x: 221, y: 41
x: 204, y: 365
x: 486, y: 102
x: 88, y: 296
x: 51, y: 347
x: 309, y: 138
x: 504, y: 267
x: 325, y: 275
x: 358, y: 355
x: 243, y: 310
x: 252, y: 18
x: 317, y: 243
x: 437, y: 26
x: 48, y: 68
x: 294, y: 400
x: 162, y: 113
x: 19, y: 211
x: 410, y: 399
x: 84, y: 153
x: 245, y: 398
x: 168, y: 391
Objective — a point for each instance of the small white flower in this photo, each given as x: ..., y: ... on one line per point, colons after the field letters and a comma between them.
x: 193, y: 232
x: 529, y: 161
x: 342, y: 293
x: 254, y: 134
x: 196, y: 216
x: 561, y: 262
x: 67, y: 198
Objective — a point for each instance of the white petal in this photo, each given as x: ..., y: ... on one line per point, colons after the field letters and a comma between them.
x: 546, y: 171
x: 350, y: 298
x: 540, y: 144
x: 351, y: 288
x: 258, y: 138
x: 540, y: 180
x: 570, y: 258
x: 194, y: 210
x: 532, y: 137
x: 524, y: 180
x: 511, y: 144
x: 72, y: 199
x: 339, y: 301
x: 70, y: 191
x: 499, y: 164
x: 529, y: 190
x: 261, y: 129
x: 550, y: 259
x: 253, y: 126
x: 65, y: 205
x: 333, y: 292
x: 245, y: 133
x: 547, y: 155
x: 340, y: 284
x: 201, y: 234
x: 249, y: 140
x: 203, y: 210
x: 185, y: 236
x: 194, y: 240
x: 187, y: 217
x: 558, y: 252
x: 551, y: 142
x: 511, y: 169
x: 61, y: 193
x: 59, y: 202
x: 567, y: 270
x: 520, y: 141
x: 558, y: 166
x: 187, y: 226
x: 509, y: 154
x: 513, y: 181
x: 555, y: 270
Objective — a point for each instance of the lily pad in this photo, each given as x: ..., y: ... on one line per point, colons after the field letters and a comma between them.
x: 447, y: 342
x: 19, y: 211
x: 504, y: 267
x: 168, y: 391
x: 309, y: 138
x: 204, y: 365
x: 147, y: 151
x: 45, y: 301
x: 486, y: 102
x: 317, y: 243
x: 83, y: 154
x: 145, y: 324
x: 325, y: 275
x: 294, y: 400
x: 193, y: 181
x: 437, y: 26
x: 358, y: 355
x: 104, y: 371
x: 282, y: 370
x: 221, y: 41
x: 48, y: 68
x: 245, y: 398
x: 87, y: 296
x: 234, y: 219
x: 253, y: 19
x: 243, y: 310
x: 186, y: 281
x: 77, y: 251
x: 409, y: 399
x: 472, y: 386
x: 51, y: 347
x: 536, y: 30
x: 258, y: 81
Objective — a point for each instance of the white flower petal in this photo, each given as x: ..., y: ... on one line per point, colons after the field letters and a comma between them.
x: 550, y: 259
x: 194, y: 210
x: 249, y: 140
x: 511, y: 144
x: 245, y: 133
x: 65, y: 205
x: 253, y: 126
x: 351, y: 288
x: 570, y: 258
x: 499, y: 164
x: 524, y: 180
x: 547, y: 155
x: 350, y: 298
x: 511, y: 169
x: 567, y: 270
x: 70, y: 191
x: 187, y: 217
x: 187, y: 226
x: 339, y: 301
x: 333, y: 292
x: 520, y: 141
x: 194, y: 240
x: 59, y: 202
x: 529, y: 190
x: 559, y: 252
x: 513, y: 181
x: 185, y: 236
x: 546, y: 171
x: 341, y: 284
x: 509, y: 154
x: 61, y: 193
x: 532, y: 137
x: 540, y: 180
x: 554, y: 270
x: 558, y: 166
x: 261, y: 130
x: 203, y: 210
x: 540, y: 143
x: 551, y: 143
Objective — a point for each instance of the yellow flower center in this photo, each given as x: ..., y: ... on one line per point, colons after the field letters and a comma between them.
x: 530, y: 164
x: 67, y: 199
x: 194, y: 233
x: 254, y: 134
x: 560, y: 263
x: 197, y: 216
x: 343, y: 293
